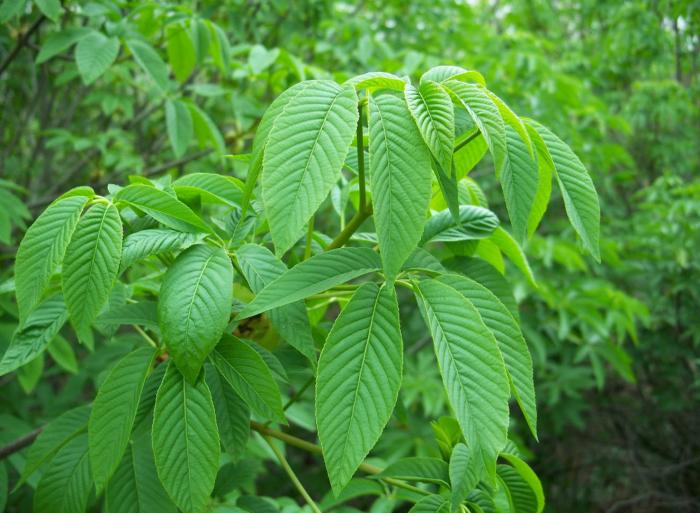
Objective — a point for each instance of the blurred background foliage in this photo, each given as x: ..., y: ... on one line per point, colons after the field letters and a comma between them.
x: 93, y: 92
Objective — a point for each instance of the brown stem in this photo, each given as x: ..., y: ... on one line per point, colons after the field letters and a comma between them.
x: 21, y: 42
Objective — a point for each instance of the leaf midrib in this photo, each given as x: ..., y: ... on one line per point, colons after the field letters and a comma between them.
x: 194, y: 295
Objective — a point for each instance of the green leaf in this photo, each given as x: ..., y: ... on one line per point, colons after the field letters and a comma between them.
x: 489, y: 277
x: 449, y: 188
x: 94, y: 54
x: 514, y: 252
x: 245, y: 370
x: 260, y: 268
x: 92, y: 263
x: 10, y: 8
x: 511, y: 342
x: 359, y: 375
x: 469, y: 154
x: 475, y: 223
x: 431, y: 504
x: 260, y: 58
x: 149, y: 60
x: 66, y: 485
x: 445, y: 73
x: 262, y: 133
x: 134, y: 487
x: 178, y: 122
x: 317, y: 274
x: 425, y: 470
x: 304, y: 155
x: 34, y: 335
x: 181, y: 52
x: 53, y: 438
x: 206, y: 131
x: 4, y: 489
x: 162, y: 207
x: 232, y: 414
x: 432, y: 110
x: 376, y: 80
x: 62, y: 353
x: 185, y: 441
x: 465, y: 474
x: 114, y: 411
x: 580, y: 197
x: 29, y: 374
x: 145, y: 243
x: 545, y: 171
x: 472, y: 369
x: 42, y: 249
x: 486, y: 116
x: 195, y: 305
x: 213, y: 188
x: 530, y: 479
x: 400, y: 179
x: 50, y: 8
x: 60, y: 41
x: 519, y: 180
x: 143, y: 313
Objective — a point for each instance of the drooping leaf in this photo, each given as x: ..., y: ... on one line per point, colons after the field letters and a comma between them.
x: 29, y: 374
x: 162, y: 207
x: 92, y: 263
x: 145, y: 243
x: 181, y: 52
x: 185, y: 440
x: 425, y: 470
x: 376, y: 80
x: 55, y: 436
x: 464, y: 474
x: 514, y: 252
x: 50, y: 8
x: 35, y: 334
x: 317, y: 274
x: 142, y: 313
x: 114, y: 411
x: 149, y: 60
x: 94, y: 54
x: 445, y: 73
x: 305, y: 151
x: 260, y: 268
x: 470, y: 149
x: 60, y: 41
x: 66, y: 485
x: 486, y: 116
x: 134, y: 487
x: 213, y: 188
x: 511, y: 342
x: 545, y: 172
x: 580, y: 197
x: 474, y: 223
x: 472, y: 369
x: 433, y: 112
x: 178, y: 122
x: 232, y: 414
x: 42, y: 249
x: 529, y: 477
x: 195, y: 305
x: 62, y: 353
x: 245, y: 370
x: 205, y: 130
x: 431, y: 504
x: 359, y: 375
x: 399, y: 177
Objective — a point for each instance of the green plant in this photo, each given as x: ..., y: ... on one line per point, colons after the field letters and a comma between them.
x: 196, y: 281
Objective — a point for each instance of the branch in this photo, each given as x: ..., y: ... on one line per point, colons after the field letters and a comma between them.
x: 20, y: 43
x: 19, y: 444
x: 467, y: 141
x: 351, y: 228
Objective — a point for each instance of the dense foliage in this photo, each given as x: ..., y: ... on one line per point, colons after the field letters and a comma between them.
x: 193, y: 139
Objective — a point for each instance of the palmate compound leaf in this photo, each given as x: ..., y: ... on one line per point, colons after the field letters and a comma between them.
x: 249, y: 376
x: 91, y: 264
x: 305, y: 151
x: 486, y: 116
x: 260, y: 267
x: 317, y: 274
x: 66, y: 484
x: 359, y: 375
x: 474, y: 223
x: 195, y: 305
x: 580, y: 196
x: 472, y: 369
x: 35, y: 334
x: 185, y: 440
x: 114, y: 411
x: 400, y: 177
x: 55, y: 436
x: 42, y: 249
x: 433, y: 112
x: 509, y: 337
x: 134, y: 487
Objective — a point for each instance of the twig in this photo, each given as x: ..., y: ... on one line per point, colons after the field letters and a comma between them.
x: 19, y: 444
x: 467, y: 141
x: 20, y: 43
x: 350, y: 228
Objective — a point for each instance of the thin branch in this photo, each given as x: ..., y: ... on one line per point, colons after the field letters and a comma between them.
x: 467, y: 141
x: 21, y: 42
x: 292, y: 476
x: 350, y: 228
x: 19, y: 444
